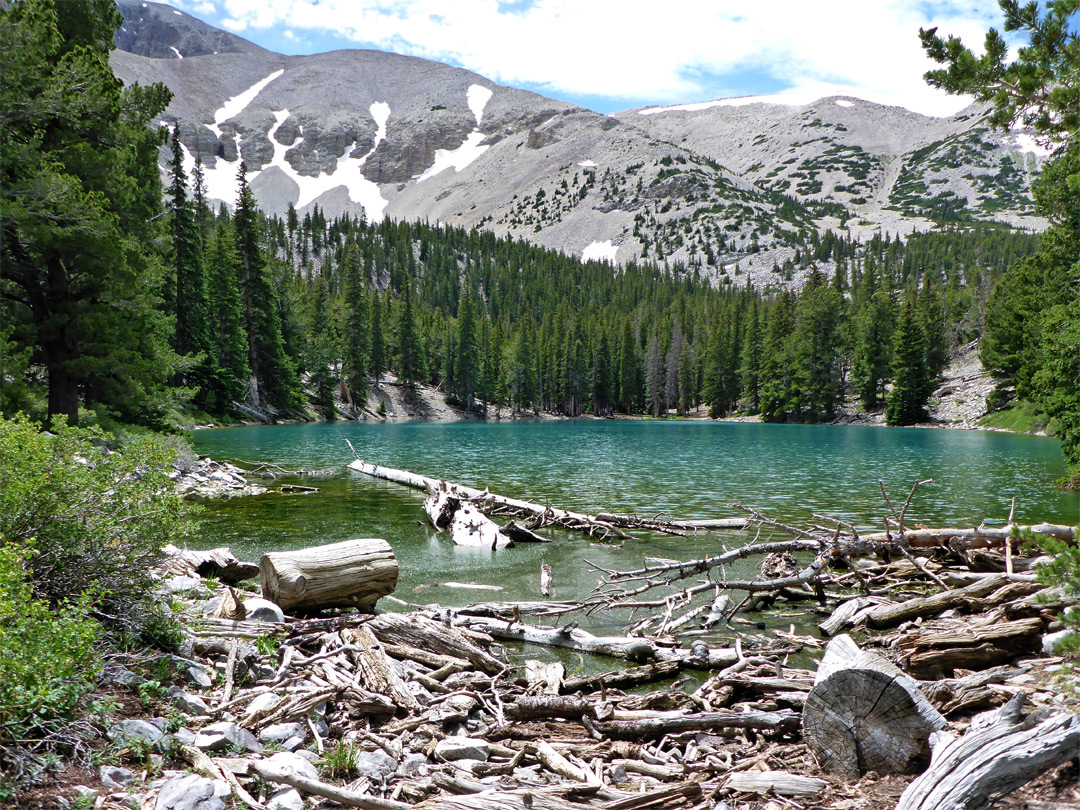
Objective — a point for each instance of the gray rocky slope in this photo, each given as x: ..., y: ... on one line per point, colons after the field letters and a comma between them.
x: 729, y: 188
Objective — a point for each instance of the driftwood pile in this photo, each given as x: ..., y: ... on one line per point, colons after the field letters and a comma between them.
x: 696, y: 705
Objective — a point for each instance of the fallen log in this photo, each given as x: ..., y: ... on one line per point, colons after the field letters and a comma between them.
x: 620, y: 679
x: 279, y: 775
x: 540, y: 516
x: 572, y: 637
x: 353, y: 573
x: 891, y: 615
x: 779, y: 782
x: 864, y: 714
x: 783, y: 721
x: 1000, y: 751
x: 423, y: 633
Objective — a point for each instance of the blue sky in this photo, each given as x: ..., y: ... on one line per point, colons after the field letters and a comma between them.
x: 610, y: 55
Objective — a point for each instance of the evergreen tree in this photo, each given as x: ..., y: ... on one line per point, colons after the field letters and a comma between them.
x: 226, y: 323
x: 817, y: 347
x: 467, y: 367
x: 357, y: 339
x: 750, y: 360
x: 872, y: 361
x: 378, y: 340
x: 912, y: 385
x: 603, y: 384
x: 273, y: 374
x: 654, y: 376
x: 410, y: 359
x: 629, y: 370
x: 80, y: 195
x: 779, y: 398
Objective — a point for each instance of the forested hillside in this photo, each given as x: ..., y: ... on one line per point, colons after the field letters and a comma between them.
x: 124, y: 299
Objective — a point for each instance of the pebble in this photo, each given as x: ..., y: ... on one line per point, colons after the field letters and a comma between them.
x: 263, y: 610
x: 456, y: 748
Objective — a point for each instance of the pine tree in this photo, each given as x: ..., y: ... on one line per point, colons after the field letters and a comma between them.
x: 750, y: 360
x: 779, y: 398
x: 410, y: 359
x: 603, y: 384
x: 378, y: 340
x: 629, y: 370
x: 467, y: 366
x: 226, y: 323
x: 357, y: 339
x: 817, y: 347
x: 654, y: 376
x: 872, y: 360
x: 79, y: 212
x: 911, y: 379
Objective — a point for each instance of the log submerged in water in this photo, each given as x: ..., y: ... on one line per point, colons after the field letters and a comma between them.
x: 353, y: 573
x: 540, y: 516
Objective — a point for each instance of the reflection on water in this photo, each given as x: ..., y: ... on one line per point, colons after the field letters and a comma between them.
x: 686, y: 469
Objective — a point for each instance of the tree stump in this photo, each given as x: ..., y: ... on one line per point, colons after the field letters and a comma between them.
x: 863, y: 714
x: 353, y: 573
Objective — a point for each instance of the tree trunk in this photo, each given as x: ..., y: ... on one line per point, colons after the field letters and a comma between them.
x: 353, y: 573
x: 864, y: 714
x: 999, y: 752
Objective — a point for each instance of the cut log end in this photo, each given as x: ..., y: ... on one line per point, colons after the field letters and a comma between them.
x: 863, y: 714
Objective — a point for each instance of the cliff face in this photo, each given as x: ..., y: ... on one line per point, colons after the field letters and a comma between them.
x: 727, y: 187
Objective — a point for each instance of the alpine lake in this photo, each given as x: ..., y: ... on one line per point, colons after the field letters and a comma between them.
x: 681, y: 469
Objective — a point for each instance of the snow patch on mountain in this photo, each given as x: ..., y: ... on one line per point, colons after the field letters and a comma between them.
x: 221, y: 182
x: 178, y: 54
x: 236, y: 105
x: 478, y: 96
x: 457, y: 159
x: 600, y: 252
x: 843, y: 102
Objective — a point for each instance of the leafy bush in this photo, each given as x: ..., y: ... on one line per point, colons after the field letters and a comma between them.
x: 47, y: 658
x: 80, y: 529
x: 90, y: 523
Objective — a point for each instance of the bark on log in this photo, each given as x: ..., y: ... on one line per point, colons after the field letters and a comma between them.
x: 892, y: 615
x: 779, y: 782
x: 621, y: 679
x: 375, y: 670
x: 864, y: 714
x: 999, y: 752
x: 472, y: 529
x: 278, y: 775
x: 353, y: 573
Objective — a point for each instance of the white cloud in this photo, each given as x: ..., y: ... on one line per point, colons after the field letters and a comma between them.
x: 630, y: 50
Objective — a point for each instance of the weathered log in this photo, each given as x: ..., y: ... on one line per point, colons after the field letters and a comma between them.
x: 1000, y: 751
x: 572, y: 637
x: 976, y: 537
x: 779, y: 782
x: 935, y: 651
x: 216, y: 562
x: 353, y: 573
x: 375, y: 670
x: 540, y: 515
x: 865, y: 714
x: 892, y: 615
x: 470, y: 528
x: 279, y: 775
x: 783, y: 721
x: 620, y: 679
x: 415, y: 630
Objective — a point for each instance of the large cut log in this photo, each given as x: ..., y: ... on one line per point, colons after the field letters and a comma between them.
x: 353, y: 573
x: 864, y: 714
x: 1000, y: 751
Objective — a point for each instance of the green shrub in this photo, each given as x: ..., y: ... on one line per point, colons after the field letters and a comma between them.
x: 90, y: 522
x: 47, y: 656
x: 80, y: 529
x: 1064, y: 572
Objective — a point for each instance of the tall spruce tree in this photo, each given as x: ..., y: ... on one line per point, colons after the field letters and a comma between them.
x: 356, y: 342
x: 80, y: 195
x: 410, y: 358
x: 911, y: 378
x: 274, y: 374
x: 467, y: 366
x: 872, y: 356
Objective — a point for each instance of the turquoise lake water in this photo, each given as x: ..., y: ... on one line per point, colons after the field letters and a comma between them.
x: 685, y: 469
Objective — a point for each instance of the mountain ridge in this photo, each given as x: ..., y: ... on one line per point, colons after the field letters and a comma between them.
x: 729, y: 188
